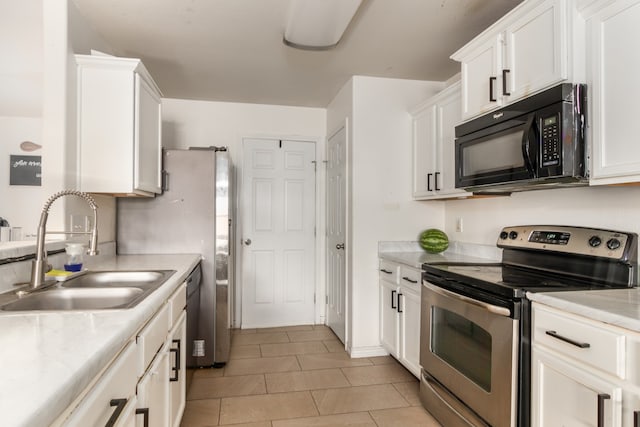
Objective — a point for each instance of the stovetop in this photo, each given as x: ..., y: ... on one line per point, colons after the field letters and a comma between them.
x: 504, y: 280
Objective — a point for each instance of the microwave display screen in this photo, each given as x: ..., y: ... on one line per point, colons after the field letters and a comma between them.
x: 550, y: 121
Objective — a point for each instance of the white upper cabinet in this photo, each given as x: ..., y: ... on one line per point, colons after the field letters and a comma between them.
x: 524, y: 52
x: 612, y: 80
x: 119, y: 127
x: 434, y: 124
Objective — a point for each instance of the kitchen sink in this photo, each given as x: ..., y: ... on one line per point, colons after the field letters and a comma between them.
x: 93, y: 290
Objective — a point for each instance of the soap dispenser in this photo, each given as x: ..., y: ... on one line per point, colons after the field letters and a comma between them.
x: 74, y: 256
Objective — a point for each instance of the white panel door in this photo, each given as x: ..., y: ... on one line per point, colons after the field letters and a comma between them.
x: 278, y: 221
x: 336, y: 232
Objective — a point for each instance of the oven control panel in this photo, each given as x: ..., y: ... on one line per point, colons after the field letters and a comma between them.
x: 574, y: 240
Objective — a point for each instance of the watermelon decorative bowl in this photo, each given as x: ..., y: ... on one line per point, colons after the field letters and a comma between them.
x: 434, y: 241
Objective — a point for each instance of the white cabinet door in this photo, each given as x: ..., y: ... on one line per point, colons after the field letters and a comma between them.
x: 449, y: 116
x: 535, y: 51
x: 153, y: 391
x: 410, y: 330
x: 564, y: 395
x: 424, y: 151
x: 147, y: 138
x: 178, y: 369
x: 113, y: 392
x: 389, y: 323
x: 614, y: 86
x: 480, y: 91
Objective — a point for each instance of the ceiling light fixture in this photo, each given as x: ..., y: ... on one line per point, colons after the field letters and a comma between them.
x: 318, y: 24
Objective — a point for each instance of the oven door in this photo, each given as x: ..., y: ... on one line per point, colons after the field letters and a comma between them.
x: 469, y: 355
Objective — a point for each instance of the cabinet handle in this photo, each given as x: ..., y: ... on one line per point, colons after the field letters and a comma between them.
x: 636, y: 418
x: 119, y: 404
x: 491, y: 81
x: 601, y: 398
x: 176, y: 368
x: 429, y: 182
x: 435, y: 179
x: 145, y: 415
x: 504, y: 82
x: 568, y: 340
x: 385, y: 271
x: 399, y: 295
x: 409, y: 280
x: 393, y: 294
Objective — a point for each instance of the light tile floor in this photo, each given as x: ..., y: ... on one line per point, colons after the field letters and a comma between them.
x: 301, y: 376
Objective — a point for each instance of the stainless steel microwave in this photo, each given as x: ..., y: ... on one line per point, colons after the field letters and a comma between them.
x: 538, y: 142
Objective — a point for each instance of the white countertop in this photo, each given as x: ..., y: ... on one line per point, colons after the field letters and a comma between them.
x: 416, y: 259
x: 49, y: 358
x: 619, y: 307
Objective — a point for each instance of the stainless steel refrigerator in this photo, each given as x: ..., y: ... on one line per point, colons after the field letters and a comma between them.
x: 194, y: 214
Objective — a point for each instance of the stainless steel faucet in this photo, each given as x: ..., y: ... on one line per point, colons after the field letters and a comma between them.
x: 39, y: 266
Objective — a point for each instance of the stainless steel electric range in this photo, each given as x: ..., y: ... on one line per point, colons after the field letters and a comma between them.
x: 475, y: 319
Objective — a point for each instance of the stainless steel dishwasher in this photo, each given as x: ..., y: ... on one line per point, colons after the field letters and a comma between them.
x: 193, y: 312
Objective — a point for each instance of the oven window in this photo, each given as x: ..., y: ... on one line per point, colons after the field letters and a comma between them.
x: 497, y: 154
x: 462, y: 344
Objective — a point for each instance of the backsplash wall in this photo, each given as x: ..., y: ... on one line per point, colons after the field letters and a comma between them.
x: 616, y: 208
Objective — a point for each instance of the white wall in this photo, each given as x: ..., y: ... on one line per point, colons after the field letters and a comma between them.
x: 187, y: 123
x: 380, y: 182
x: 616, y: 208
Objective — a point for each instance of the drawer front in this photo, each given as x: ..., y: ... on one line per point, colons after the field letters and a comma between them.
x: 177, y: 304
x: 410, y: 278
x: 151, y: 338
x: 581, y: 339
x: 118, y: 382
x: 389, y: 271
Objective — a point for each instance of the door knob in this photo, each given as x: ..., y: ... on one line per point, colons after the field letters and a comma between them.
x: 247, y: 242
x: 340, y: 246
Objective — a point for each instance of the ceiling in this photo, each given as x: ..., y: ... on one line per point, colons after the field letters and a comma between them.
x: 232, y: 50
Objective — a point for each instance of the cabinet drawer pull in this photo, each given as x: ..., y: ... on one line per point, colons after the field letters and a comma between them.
x: 119, y: 404
x: 491, y: 81
x: 636, y: 418
x: 429, y: 182
x: 409, y: 280
x: 554, y: 334
x: 435, y: 181
x: 176, y: 367
x: 601, y: 398
x: 145, y: 415
x: 393, y: 295
x: 385, y: 271
x: 399, y: 295
x: 504, y: 82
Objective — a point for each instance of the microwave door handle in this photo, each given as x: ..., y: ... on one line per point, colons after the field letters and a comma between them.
x: 526, y: 144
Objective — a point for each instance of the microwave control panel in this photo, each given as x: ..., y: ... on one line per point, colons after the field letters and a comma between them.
x: 550, y: 141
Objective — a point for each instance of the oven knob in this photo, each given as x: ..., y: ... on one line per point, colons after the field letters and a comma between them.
x: 513, y: 235
x: 504, y: 235
x: 613, y: 244
x: 594, y: 241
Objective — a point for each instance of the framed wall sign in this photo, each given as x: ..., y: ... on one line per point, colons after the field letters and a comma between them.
x: 25, y: 170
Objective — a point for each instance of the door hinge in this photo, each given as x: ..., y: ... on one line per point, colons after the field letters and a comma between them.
x: 326, y: 299
x: 314, y: 298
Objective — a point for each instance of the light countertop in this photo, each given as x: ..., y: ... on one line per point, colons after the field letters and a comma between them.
x: 619, y: 307
x: 49, y: 358
x: 410, y: 253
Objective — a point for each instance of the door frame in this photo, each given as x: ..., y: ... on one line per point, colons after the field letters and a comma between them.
x: 319, y: 279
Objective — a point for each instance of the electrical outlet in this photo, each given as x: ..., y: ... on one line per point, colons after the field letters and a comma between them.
x: 459, y: 225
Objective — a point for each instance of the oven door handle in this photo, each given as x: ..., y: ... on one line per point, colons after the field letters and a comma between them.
x: 494, y: 309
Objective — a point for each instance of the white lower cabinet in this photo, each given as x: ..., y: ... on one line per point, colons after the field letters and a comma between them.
x: 145, y: 384
x: 400, y: 313
x: 583, y: 372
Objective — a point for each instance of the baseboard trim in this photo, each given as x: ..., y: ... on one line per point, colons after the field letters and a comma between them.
x: 368, y: 351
